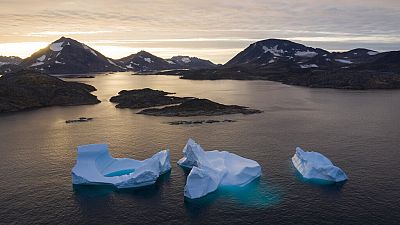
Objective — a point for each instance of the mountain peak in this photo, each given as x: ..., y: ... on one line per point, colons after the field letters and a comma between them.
x: 66, y: 55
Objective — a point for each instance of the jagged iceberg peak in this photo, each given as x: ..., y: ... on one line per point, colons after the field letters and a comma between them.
x: 314, y: 165
x: 211, y: 169
x: 96, y: 166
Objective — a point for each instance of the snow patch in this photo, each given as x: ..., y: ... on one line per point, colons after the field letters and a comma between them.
x: 170, y: 62
x: 275, y: 51
x: 56, y: 47
x: 307, y: 54
x: 306, y: 66
x: 186, y: 60
x: 36, y: 64
x: 148, y: 60
x: 372, y: 53
x: 41, y: 58
x: 111, y: 62
x: 89, y: 49
x: 271, y: 61
x: 344, y: 61
x: 58, y: 62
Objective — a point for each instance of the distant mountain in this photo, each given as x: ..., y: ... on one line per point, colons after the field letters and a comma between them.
x: 187, y: 62
x: 10, y: 60
x: 145, y: 62
x: 275, y: 53
x: 9, y: 63
x: 284, y: 55
x: 292, y: 63
x: 68, y: 56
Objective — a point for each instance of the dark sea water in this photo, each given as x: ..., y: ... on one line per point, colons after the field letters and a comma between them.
x: 358, y: 130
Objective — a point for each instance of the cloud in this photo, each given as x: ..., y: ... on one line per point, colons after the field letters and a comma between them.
x: 65, y: 33
x: 224, y: 24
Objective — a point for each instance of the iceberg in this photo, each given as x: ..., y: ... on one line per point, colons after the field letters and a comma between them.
x: 211, y: 169
x: 314, y: 165
x: 95, y: 166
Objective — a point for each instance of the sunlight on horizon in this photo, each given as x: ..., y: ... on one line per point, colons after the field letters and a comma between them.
x: 21, y: 49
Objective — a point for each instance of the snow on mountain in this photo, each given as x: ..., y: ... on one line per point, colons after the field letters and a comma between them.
x: 68, y: 56
x: 275, y: 52
x: 4, y: 60
x: 56, y: 47
x: 284, y: 55
x: 307, y: 54
x: 187, y: 62
x: 344, y: 61
x: 306, y: 66
x: 144, y: 62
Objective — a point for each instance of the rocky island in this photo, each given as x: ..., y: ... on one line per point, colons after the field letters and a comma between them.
x: 174, y: 106
x: 29, y: 89
x: 198, y: 107
x: 144, y: 98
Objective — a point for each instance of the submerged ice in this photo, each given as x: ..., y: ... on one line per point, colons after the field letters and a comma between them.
x: 95, y: 166
x: 211, y: 169
x: 314, y: 165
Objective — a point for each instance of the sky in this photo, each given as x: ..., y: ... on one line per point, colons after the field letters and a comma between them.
x: 215, y: 30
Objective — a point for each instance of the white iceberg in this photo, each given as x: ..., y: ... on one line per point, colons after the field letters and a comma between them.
x: 314, y: 165
x: 211, y: 169
x: 95, y: 166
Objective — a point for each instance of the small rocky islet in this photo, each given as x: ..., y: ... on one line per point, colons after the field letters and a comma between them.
x: 144, y: 98
x: 199, y: 107
x: 174, y: 106
x: 196, y: 122
x: 29, y: 89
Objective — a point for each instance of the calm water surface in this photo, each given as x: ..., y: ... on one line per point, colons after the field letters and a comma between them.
x: 358, y: 130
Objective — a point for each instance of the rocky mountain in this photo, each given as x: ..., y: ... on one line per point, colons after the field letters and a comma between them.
x: 31, y: 89
x: 292, y: 63
x: 275, y: 53
x: 284, y: 55
x: 10, y: 60
x: 187, y: 62
x: 68, y: 56
x: 9, y: 63
x: 145, y: 62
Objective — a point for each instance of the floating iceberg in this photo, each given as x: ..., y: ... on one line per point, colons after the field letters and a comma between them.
x: 314, y: 165
x: 211, y: 169
x: 96, y: 166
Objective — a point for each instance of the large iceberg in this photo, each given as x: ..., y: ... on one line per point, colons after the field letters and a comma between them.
x: 314, y: 165
x: 96, y: 166
x: 211, y: 169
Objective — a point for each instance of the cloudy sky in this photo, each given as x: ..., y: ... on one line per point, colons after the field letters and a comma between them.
x: 215, y: 30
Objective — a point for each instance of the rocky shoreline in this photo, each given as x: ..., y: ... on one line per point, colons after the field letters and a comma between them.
x: 174, y: 106
x: 199, y: 107
x: 196, y: 122
x: 28, y: 90
x: 144, y: 98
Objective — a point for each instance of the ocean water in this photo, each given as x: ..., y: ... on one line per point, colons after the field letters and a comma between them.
x: 358, y: 130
